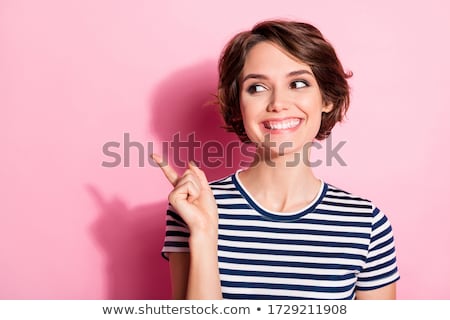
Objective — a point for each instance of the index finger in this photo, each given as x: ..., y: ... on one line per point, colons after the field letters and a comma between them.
x: 200, y: 174
x: 168, y: 171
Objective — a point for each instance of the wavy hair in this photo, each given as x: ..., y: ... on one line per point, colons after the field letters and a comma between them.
x: 301, y: 40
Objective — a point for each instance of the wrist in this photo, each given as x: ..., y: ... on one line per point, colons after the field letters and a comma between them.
x: 203, y: 240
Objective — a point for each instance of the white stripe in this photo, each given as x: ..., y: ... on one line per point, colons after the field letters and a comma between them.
x: 380, y: 261
x: 378, y: 272
x: 348, y: 201
x: 330, y: 217
x: 291, y: 293
x: 232, y: 201
x: 376, y: 283
x: 292, y: 281
x: 337, y: 208
x: 287, y: 258
x: 281, y: 269
x: 287, y: 226
x: 222, y: 191
x: 389, y: 246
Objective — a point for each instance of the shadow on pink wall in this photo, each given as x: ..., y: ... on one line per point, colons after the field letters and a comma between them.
x: 132, y: 238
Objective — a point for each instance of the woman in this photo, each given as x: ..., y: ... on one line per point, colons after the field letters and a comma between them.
x: 274, y: 230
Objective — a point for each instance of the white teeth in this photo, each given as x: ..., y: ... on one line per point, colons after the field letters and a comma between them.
x: 281, y: 125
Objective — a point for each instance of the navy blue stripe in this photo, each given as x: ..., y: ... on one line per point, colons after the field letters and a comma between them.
x: 175, y: 223
x: 336, y: 212
x: 378, y: 286
x: 296, y: 287
x: 227, y: 196
x: 381, y: 266
x: 175, y: 216
x: 296, y: 231
x: 334, y: 189
x: 380, y: 222
x: 295, y: 241
x: 174, y: 233
x: 375, y: 212
x: 222, y: 182
x: 290, y: 275
x: 239, y: 217
x: 242, y: 217
x: 347, y: 205
x: 381, y: 255
x: 241, y: 296
x: 379, y: 276
x: 384, y: 244
x: 338, y: 223
x: 236, y: 206
x: 382, y: 234
x: 295, y: 264
x: 176, y: 244
x: 293, y: 253
x: 331, y: 196
x: 231, y: 188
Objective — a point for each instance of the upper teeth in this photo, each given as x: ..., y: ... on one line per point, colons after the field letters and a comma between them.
x: 279, y: 125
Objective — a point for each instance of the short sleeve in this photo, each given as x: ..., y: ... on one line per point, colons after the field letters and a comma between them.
x: 380, y: 268
x: 177, y: 233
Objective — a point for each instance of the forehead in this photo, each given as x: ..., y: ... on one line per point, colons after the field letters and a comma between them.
x: 267, y: 57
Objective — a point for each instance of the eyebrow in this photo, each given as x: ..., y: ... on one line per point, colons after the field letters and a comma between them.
x: 264, y: 77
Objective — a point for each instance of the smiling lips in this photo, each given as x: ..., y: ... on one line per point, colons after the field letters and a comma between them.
x: 284, y: 124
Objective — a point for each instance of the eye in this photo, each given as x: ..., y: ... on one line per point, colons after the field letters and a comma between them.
x: 255, y: 88
x: 298, y: 84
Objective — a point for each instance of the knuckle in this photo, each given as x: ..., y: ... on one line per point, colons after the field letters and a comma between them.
x: 171, y: 196
x: 188, y: 172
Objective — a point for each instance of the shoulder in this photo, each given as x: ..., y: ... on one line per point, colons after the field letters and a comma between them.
x: 343, y: 196
x: 223, y: 183
x: 345, y: 201
x: 225, y: 190
x: 350, y: 204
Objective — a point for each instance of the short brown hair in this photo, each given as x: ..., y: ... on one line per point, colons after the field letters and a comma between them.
x: 304, y: 42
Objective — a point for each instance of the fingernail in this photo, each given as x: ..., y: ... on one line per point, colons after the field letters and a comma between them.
x: 156, y: 158
x: 192, y: 162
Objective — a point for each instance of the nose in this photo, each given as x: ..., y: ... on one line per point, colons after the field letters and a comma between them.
x: 278, y: 102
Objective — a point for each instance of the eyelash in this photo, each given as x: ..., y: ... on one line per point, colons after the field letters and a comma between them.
x: 252, y: 88
x: 304, y: 82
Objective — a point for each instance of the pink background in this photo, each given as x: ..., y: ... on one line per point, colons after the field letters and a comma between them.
x: 78, y: 74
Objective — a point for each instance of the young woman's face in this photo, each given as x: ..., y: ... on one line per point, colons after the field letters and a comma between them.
x: 281, y: 103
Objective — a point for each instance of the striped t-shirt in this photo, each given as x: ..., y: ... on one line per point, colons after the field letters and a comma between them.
x: 338, y: 244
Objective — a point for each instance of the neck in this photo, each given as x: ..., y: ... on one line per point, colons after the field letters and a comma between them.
x: 281, y: 182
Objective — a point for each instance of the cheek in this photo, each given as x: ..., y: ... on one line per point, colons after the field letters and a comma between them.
x: 247, y: 119
x: 248, y: 111
x: 316, y: 120
x: 313, y: 106
x: 251, y: 126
